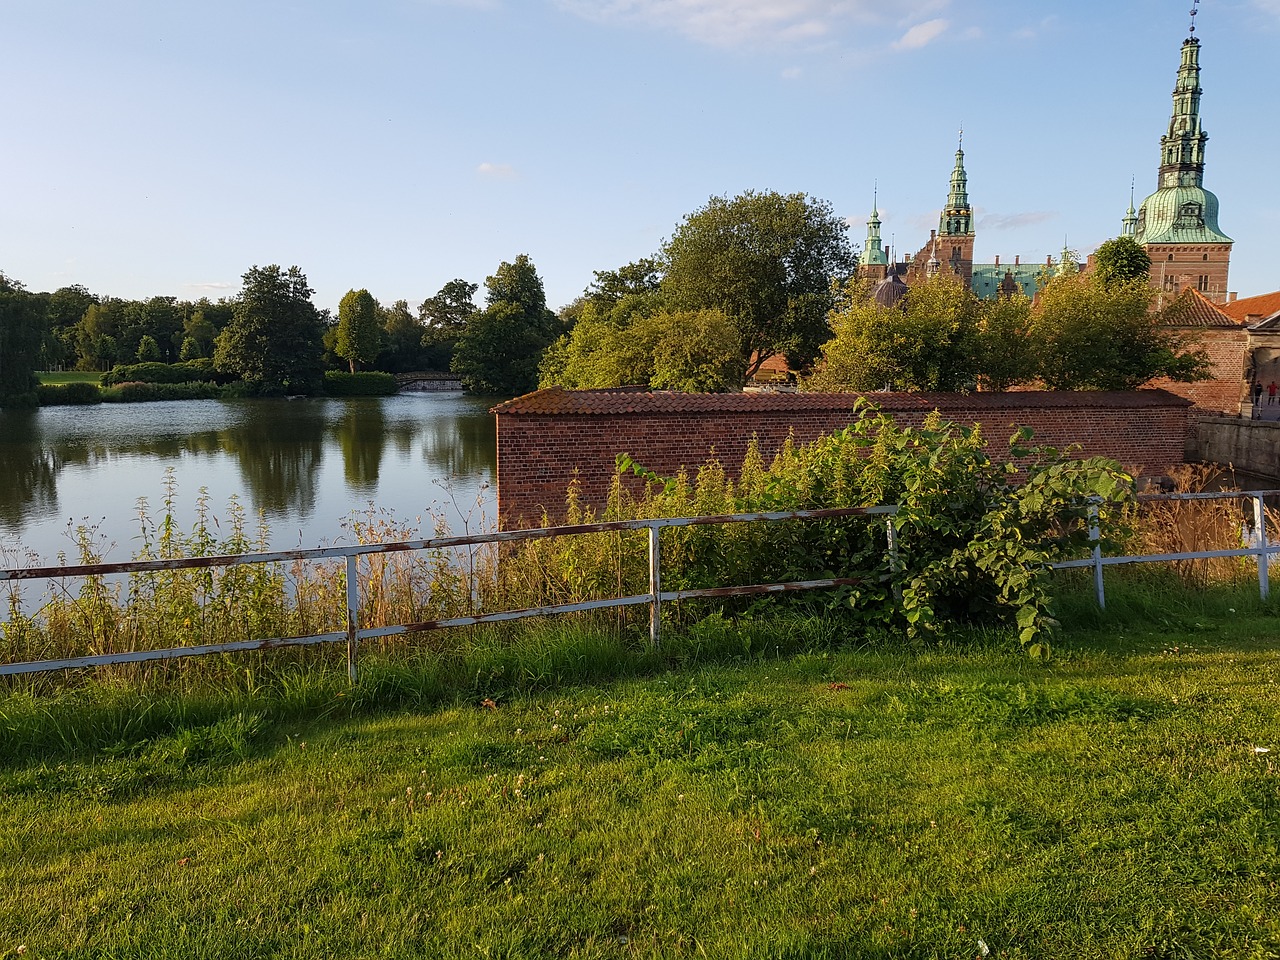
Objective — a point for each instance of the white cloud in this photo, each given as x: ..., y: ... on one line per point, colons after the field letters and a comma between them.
x: 921, y: 35
x: 730, y: 23
x: 213, y: 285
x: 1271, y: 7
x: 792, y: 73
x: 496, y: 171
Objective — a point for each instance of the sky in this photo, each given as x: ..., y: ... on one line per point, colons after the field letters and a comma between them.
x: 164, y: 147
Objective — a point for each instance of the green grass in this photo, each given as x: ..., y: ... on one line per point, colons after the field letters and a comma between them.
x: 844, y: 801
x: 62, y: 377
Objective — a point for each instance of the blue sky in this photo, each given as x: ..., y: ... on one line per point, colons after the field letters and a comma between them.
x: 164, y: 146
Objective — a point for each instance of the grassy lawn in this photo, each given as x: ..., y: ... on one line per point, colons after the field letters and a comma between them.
x: 1120, y: 800
x: 62, y: 377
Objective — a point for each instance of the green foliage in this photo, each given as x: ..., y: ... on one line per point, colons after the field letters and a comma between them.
x: 767, y: 261
x: 1120, y: 260
x: 1006, y: 349
x: 359, y: 337
x: 368, y: 383
x: 70, y: 394
x: 1097, y: 335
x: 929, y: 341
x: 500, y: 347
x: 273, y: 341
x: 148, y: 349
x: 190, y: 371
x: 23, y: 330
x: 146, y: 392
x: 975, y: 534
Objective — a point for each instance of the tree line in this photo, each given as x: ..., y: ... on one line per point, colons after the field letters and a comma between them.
x: 740, y: 280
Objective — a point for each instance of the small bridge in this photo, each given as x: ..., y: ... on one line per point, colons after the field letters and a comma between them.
x: 429, y: 381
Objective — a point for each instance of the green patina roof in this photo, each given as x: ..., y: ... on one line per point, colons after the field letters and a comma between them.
x: 1187, y: 214
x: 987, y: 278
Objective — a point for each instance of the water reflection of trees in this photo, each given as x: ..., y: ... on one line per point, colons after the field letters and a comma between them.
x: 463, y: 444
x: 28, y: 470
x: 362, y: 435
x: 278, y: 446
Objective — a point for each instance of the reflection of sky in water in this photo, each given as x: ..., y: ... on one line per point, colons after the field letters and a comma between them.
x: 306, y: 465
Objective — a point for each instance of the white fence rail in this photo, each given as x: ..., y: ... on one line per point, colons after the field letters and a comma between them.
x: 1260, y: 548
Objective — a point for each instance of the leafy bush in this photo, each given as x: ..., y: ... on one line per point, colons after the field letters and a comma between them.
x: 975, y: 535
x: 69, y: 394
x: 189, y: 371
x: 339, y: 383
x: 144, y: 392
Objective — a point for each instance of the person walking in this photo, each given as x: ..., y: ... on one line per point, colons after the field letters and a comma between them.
x: 1271, y: 392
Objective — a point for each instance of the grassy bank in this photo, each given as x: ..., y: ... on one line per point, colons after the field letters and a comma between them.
x: 579, y: 796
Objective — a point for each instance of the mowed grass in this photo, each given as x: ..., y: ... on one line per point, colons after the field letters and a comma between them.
x: 63, y: 377
x: 1120, y: 800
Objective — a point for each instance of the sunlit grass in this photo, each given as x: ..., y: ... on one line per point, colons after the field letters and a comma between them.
x: 61, y: 377
x: 585, y: 797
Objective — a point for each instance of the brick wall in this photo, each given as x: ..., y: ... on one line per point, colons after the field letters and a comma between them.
x: 547, y: 438
x: 1225, y: 389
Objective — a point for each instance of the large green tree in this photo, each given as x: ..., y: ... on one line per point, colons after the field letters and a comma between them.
x: 1120, y: 260
x: 22, y: 333
x: 273, y: 341
x: 500, y: 347
x: 1091, y: 334
x: 443, y: 318
x: 359, y: 336
x: 767, y: 261
x: 928, y: 341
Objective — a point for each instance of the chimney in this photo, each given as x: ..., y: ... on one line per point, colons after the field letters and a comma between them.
x: 1231, y: 297
x: 997, y: 259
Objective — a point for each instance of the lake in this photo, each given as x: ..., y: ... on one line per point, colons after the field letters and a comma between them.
x: 304, y: 465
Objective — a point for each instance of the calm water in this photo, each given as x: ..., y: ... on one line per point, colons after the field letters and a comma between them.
x: 307, y: 465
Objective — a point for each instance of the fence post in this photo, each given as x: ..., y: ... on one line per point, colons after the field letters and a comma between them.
x: 1264, y: 558
x: 353, y: 614
x: 891, y: 532
x: 655, y: 586
x: 1095, y: 534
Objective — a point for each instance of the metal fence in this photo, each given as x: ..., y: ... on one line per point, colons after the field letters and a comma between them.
x: 1260, y: 548
x: 351, y: 555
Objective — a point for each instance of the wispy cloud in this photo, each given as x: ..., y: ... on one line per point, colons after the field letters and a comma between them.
x: 496, y: 171
x: 731, y: 23
x: 1271, y: 7
x: 1014, y: 221
x: 792, y: 73
x: 215, y: 286
x: 922, y: 34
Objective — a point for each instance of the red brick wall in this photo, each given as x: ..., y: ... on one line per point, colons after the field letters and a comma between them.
x: 1223, y: 392
x: 544, y: 440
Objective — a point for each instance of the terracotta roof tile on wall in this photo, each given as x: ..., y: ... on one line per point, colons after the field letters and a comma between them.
x: 1203, y: 312
x: 559, y: 401
x: 1261, y: 306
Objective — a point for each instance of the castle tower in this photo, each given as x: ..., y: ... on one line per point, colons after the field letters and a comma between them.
x: 1130, y: 222
x: 952, y: 243
x: 874, y: 262
x: 1178, y: 224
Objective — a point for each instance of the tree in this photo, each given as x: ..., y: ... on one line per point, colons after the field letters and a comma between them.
x: 928, y: 341
x: 1120, y: 260
x: 22, y: 332
x: 444, y: 317
x: 359, y: 336
x: 1006, y: 351
x: 1091, y: 334
x: 695, y: 351
x: 500, y: 346
x: 148, y: 349
x: 401, y: 338
x: 768, y: 262
x: 273, y: 341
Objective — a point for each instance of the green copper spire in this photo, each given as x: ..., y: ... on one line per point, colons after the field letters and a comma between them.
x: 1181, y: 210
x: 957, y: 218
x: 873, y: 252
x: 1130, y: 221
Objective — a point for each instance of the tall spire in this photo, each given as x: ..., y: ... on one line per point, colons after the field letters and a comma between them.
x: 873, y: 252
x: 957, y: 218
x: 1130, y: 220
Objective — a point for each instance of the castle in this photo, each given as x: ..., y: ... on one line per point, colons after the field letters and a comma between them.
x: 1177, y: 224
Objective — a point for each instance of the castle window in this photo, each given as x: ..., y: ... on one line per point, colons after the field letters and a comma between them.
x: 1171, y: 258
x: 1206, y: 258
x: 1203, y: 285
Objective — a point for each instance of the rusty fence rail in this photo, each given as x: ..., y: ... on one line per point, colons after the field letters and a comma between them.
x: 1255, y: 541
x: 351, y: 555
x: 1259, y: 547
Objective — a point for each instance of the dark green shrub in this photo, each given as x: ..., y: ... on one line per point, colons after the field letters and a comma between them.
x: 189, y: 371
x: 338, y: 383
x: 69, y: 394
x: 144, y: 392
